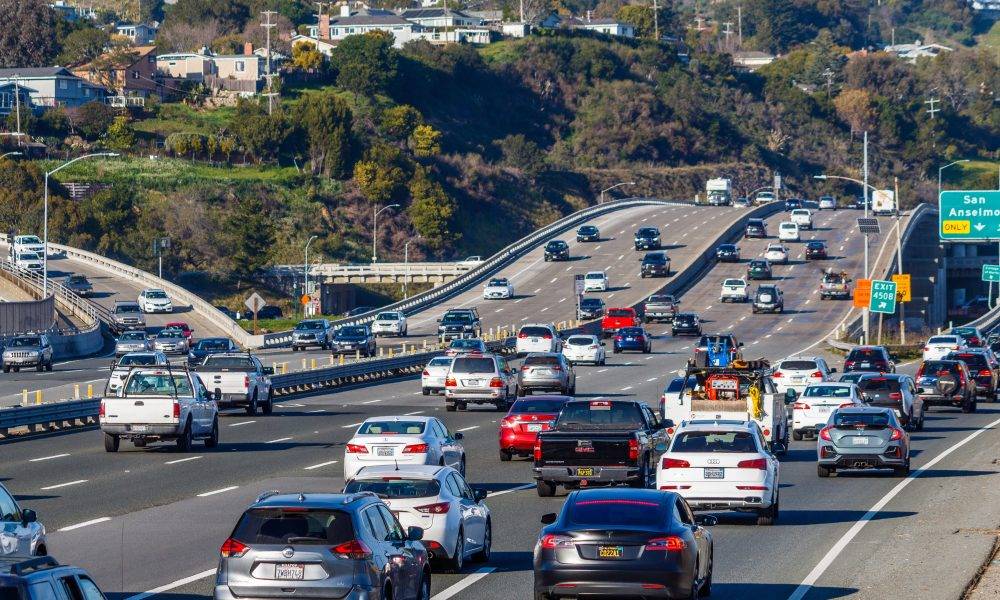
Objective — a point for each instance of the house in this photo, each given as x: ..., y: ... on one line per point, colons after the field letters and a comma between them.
x: 54, y: 86
x: 440, y: 17
x: 72, y: 13
x: 243, y: 67
x: 132, y: 73
x: 13, y: 94
x: 489, y: 18
x: 515, y: 30
x: 192, y: 66
x: 325, y: 47
x: 141, y: 34
x: 911, y: 52
x: 986, y: 5
x: 458, y: 35
x: 333, y: 29
x: 605, y: 26
x: 751, y: 60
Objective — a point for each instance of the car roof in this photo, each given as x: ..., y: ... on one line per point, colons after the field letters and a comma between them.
x: 892, y: 376
x: 310, y: 500
x: 417, y: 418
x: 416, y: 471
x: 717, y: 425
x: 619, y: 493
x: 871, y: 410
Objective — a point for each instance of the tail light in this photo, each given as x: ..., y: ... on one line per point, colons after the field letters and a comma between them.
x: 954, y: 347
x: 640, y: 338
x: 985, y: 373
x: 817, y: 374
x: 633, y: 449
x: 450, y: 382
x: 926, y: 349
x: 552, y: 541
x: 895, y: 396
x: 824, y: 434
x: 353, y: 550
x: 438, y: 508
x: 100, y: 411
x: 618, y: 338
x: 357, y: 449
x: 415, y: 449
x: 522, y: 336
x: 897, y: 434
x: 675, y: 463
x: 756, y: 463
x: 848, y: 363
x: 974, y: 341
x: 246, y: 382
x: 752, y: 488
x: 426, y: 373
x: 846, y: 405
x: 177, y: 410
x: 777, y: 375
x: 496, y: 382
x: 557, y: 369
x: 525, y: 368
x: 508, y: 422
x: 800, y: 406
x: 671, y: 543
x: 547, y: 336
x: 920, y: 372
x: 538, y: 450
x: 233, y: 548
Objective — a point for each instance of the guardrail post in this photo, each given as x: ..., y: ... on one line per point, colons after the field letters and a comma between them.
x: 357, y: 354
x: 90, y: 390
x: 303, y: 364
x: 76, y: 391
x: 38, y: 396
x: 381, y: 351
x: 274, y: 368
x: 390, y: 352
x: 24, y: 397
x: 312, y: 364
x: 341, y: 359
x: 425, y: 344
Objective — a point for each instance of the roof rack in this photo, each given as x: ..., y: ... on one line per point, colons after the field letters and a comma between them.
x: 265, y: 495
x: 32, y: 565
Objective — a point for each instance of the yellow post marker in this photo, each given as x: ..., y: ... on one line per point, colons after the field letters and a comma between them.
x: 312, y: 363
x: 425, y: 344
x: 331, y: 360
x: 274, y: 368
x: 380, y: 351
x: 390, y: 352
x: 303, y: 364
x: 357, y: 355
x: 341, y: 359
x: 24, y: 397
x: 90, y: 390
x: 76, y: 391
x: 38, y: 396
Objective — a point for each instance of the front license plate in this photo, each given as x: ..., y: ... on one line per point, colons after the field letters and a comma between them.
x: 715, y: 473
x: 535, y: 428
x: 610, y: 551
x: 585, y: 472
x: 289, y: 571
x: 140, y: 428
x: 383, y: 451
x: 859, y: 441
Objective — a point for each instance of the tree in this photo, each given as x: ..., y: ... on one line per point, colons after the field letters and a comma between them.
x: 121, y: 136
x: 521, y: 153
x: 251, y: 232
x: 177, y: 143
x: 83, y: 46
x: 226, y: 146
x: 377, y: 181
x: 231, y: 43
x: 776, y: 24
x: 326, y: 121
x: 93, y: 119
x: 431, y: 210
x: 426, y: 141
x: 232, y: 15
x: 854, y: 107
x: 366, y: 63
x: 306, y: 57
x: 27, y: 33
x: 260, y: 134
x: 398, y: 122
x: 642, y: 18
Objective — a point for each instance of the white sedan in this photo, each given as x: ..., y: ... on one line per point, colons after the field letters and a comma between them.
x: 584, y: 348
x: 455, y: 520
x: 595, y: 281
x: 407, y: 440
x: 498, y: 288
x: 154, y: 300
x: 813, y: 408
x: 940, y: 345
x: 433, y: 377
x: 389, y: 323
x: 722, y: 465
x: 777, y: 254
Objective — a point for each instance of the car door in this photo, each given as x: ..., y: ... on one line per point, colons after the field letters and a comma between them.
x: 509, y: 376
x: 377, y: 533
x: 408, y: 572
x: 473, y: 515
x: 657, y: 434
x: 451, y: 449
x: 682, y: 513
x: 15, y: 539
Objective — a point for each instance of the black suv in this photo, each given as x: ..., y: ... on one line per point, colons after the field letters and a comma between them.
x: 588, y: 233
x: 759, y: 269
x: 351, y: 339
x: 556, y: 250
x: 42, y: 578
x: 792, y: 203
x: 727, y: 253
x: 591, y: 308
x: 875, y: 359
x: 816, y: 250
x: 647, y: 238
x: 756, y: 228
x: 946, y: 383
x: 460, y: 323
x: 768, y: 299
x: 655, y: 264
x: 983, y: 368
x: 685, y: 324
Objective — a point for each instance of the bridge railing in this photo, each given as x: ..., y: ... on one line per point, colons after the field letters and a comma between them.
x: 414, y: 269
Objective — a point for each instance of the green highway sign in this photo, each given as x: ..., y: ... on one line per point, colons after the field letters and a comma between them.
x: 991, y: 272
x: 969, y: 215
x: 883, y: 298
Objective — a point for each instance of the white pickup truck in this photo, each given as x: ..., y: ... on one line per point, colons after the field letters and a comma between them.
x: 160, y: 403
x: 238, y: 379
x: 734, y: 290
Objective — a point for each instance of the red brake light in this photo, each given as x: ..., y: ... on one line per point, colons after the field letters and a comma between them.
x: 538, y: 450
x: 496, y: 382
x: 551, y: 541
x: 670, y: 543
x: 897, y: 434
x: 438, y: 508
x: 508, y: 422
x: 756, y: 463
x: 415, y: 449
x: 177, y: 410
x: 525, y: 368
x: 357, y: 449
x: 233, y: 548
x: 985, y: 373
x: 824, y: 434
x: 895, y: 396
x: 547, y: 336
x: 100, y: 411
x: 426, y: 373
x: 675, y: 463
x: 817, y: 374
x: 618, y: 338
x: 777, y: 375
x: 633, y: 449
x: 920, y: 372
x: 846, y: 405
x: 800, y: 406
x: 354, y: 550
x: 450, y: 382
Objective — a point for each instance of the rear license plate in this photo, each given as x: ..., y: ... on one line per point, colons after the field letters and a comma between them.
x: 289, y: 571
x: 473, y: 382
x: 715, y: 473
x: 585, y: 472
x: 534, y: 340
x: 864, y: 364
x: 629, y: 339
x: 823, y: 409
x: 542, y: 372
x: 383, y: 451
x: 859, y: 441
x: 610, y: 551
x: 140, y: 428
x: 534, y: 428
x: 798, y: 379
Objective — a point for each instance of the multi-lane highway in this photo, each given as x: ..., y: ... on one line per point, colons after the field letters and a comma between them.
x: 153, y: 519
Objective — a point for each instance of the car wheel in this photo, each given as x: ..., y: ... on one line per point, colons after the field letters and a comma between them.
x: 6, y: 368
x: 797, y: 436
x: 823, y: 471
x: 769, y: 515
x: 139, y: 443
x: 251, y: 408
x: 458, y: 560
x: 425, y: 391
x: 463, y: 406
x: 505, y: 456
x: 902, y: 471
x: 213, y: 440
x: 186, y: 439
x: 449, y: 407
x: 545, y: 489
x: 386, y: 591
x: 484, y: 554
x: 603, y: 360
x: 969, y: 406
x: 643, y: 481
x: 295, y: 348
x: 48, y: 366
x: 39, y: 367
x: 111, y: 442
x: 268, y: 407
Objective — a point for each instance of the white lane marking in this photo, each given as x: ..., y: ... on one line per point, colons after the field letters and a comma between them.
x: 173, y: 585
x: 650, y: 357
x: 455, y: 589
x: 470, y: 428
x: 416, y: 412
x: 597, y: 247
x: 569, y: 268
x: 709, y: 307
x: 498, y: 310
x: 621, y: 232
x: 767, y: 336
x: 743, y: 318
x: 611, y: 294
x: 349, y: 426
x: 780, y: 327
x: 240, y: 424
x: 601, y: 370
x: 372, y: 401
x: 49, y: 457
x: 621, y: 257
x: 323, y: 410
x: 562, y: 300
x: 756, y: 341
x: 85, y: 524
x: 790, y: 319
x: 62, y: 485
x: 651, y: 379
x: 554, y: 279
x: 626, y: 388
x: 182, y: 460
x: 321, y: 465
x: 646, y: 219
x: 536, y: 291
x: 808, y: 301
x: 544, y: 309
x: 220, y: 491
x: 284, y: 439
x: 518, y: 300
x: 842, y: 543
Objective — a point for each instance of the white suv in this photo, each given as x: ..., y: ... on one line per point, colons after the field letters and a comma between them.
x: 788, y: 232
x: 155, y: 300
x: 595, y: 281
x: 538, y: 337
x: 798, y: 372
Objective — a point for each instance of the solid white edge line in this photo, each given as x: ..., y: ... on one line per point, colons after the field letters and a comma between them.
x: 214, y: 492
x: 49, y: 457
x: 173, y: 585
x: 463, y: 583
x: 842, y: 543
x: 320, y: 465
x: 284, y: 439
x: 84, y: 524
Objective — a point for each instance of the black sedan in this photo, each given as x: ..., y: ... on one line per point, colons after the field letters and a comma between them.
x: 208, y: 346
x: 728, y: 253
x: 617, y: 542
x: 591, y: 308
x: 816, y: 250
x: 588, y: 233
x: 556, y: 250
x: 655, y: 264
x: 685, y: 324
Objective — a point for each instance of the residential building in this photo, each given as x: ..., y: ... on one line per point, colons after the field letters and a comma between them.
x: 490, y: 18
x: 132, y: 73
x: 325, y: 47
x: 911, y: 52
x: 232, y: 72
x: 751, y: 60
x: 440, y: 17
x: 192, y: 66
x: 333, y: 29
x: 245, y: 67
x: 72, y: 13
x: 12, y: 94
x: 986, y: 5
x: 605, y: 26
x: 515, y: 30
x: 141, y: 34
x: 54, y: 86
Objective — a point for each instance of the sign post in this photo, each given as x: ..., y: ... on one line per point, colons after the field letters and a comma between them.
x: 969, y: 215
x: 254, y: 302
x: 578, y: 292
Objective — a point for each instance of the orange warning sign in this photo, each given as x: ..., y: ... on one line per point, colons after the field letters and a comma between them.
x: 862, y: 293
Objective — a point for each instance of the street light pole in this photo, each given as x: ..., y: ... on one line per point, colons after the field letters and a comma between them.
x: 305, y: 272
x: 601, y: 201
x: 5, y: 155
x: 375, y: 213
x: 941, y: 170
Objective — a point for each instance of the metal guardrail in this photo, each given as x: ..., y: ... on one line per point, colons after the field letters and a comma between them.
x: 88, y: 312
x: 424, y: 269
x: 73, y: 413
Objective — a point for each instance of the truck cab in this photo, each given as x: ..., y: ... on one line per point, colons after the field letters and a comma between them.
x: 719, y: 191
x: 617, y: 318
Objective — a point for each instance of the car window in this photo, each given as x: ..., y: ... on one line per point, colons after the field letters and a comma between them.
x: 279, y: 525
x: 600, y: 414
x: 534, y: 331
x: 879, y: 384
x: 392, y: 428
x: 395, y: 487
x: 608, y: 513
x: 799, y: 365
x: 42, y: 590
x: 619, y: 312
x: 89, y: 589
x: 441, y: 361
x: 452, y: 486
x: 464, y: 487
x: 70, y: 589
x: 376, y: 524
x: 537, y: 406
x: 393, y: 526
x: 850, y: 419
x: 827, y: 391
x: 684, y: 512
x: 8, y: 508
x: 714, y: 442
x: 469, y: 364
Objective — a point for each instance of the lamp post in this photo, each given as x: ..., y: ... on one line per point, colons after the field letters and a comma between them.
x: 305, y: 272
x: 941, y: 170
x: 601, y: 201
x: 5, y: 155
x: 45, y: 214
x: 406, y: 263
x: 375, y: 213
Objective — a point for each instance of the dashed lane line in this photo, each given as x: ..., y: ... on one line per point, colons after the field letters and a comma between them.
x: 218, y: 491
x: 62, y: 485
x: 320, y: 465
x: 182, y: 460
x: 86, y: 524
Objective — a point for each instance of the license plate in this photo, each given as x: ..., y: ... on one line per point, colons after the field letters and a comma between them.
x: 715, y: 473
x: 534, y: 428
x: 542, y: 372
x: 289, y: 571
x: 610, y: 551
x: 534, y: 340
x: 585, y: 472
x: 473, y: 382
x: 140, y: 428
x: 798, y: 379
x: 864, y: 364
x: 823, y: 409
x: 628, y: 339
x: 859, y: 441
x: 383, y: 451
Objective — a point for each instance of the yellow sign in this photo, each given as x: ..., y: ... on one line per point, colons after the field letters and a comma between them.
x: 305, y: 299
x: 956, y: 227
x: 903, y: 293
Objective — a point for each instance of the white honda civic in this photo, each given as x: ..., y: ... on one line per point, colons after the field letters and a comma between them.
x: 405, y: 440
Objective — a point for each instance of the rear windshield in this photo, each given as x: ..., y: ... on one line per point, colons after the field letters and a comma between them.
x: 865, y: 354
x: 630, y: 331
x: 464, y: 344
x: 801, y: 211
x: 827, y: 391
x: 157, y: 385
x: 757, y: 264
x: 230, y: 363
x: 139, y: 359
x: 798, y: 365
x: 590, y: 303
x: 133, y: 335
x: 714, y: 441
x: 789, y: 226
x: 943, y: 339
x: 473, y: 365
x: 580, y: 340
x: 542, y: 360
x: 849, y: 419
x: 457, y: 318
x: 594, y: 275
x: 392, y: 428
x: 677, y: 384
x: 733, y: 282
x: 815, y: 244
x: 660, y: 299
x: 755, y: 223
x: 614, y: 512
x: 441, y: 361
x: 619, y: 312
x: 535, y: 331
x: 537, y: 406
x: 932, y: 367
x: 279, y: 526
x: 970, y: 358
x: 598, y: 414
x: 727, y: 247
x: 684, y: 318
x: 395, y: 487
x: 879, y: 384
x: 650, y: 258
x: 351, y: 332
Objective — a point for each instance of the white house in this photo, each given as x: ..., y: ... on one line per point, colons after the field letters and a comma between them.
x: 141, y: 34
x: 911, y: 52
x: 440, y: 17
x: 605, y: 26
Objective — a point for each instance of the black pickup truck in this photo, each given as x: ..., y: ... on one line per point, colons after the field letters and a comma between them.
x: 599, y: 442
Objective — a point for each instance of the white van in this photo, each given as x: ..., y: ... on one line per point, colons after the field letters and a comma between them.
x: 788, y: 232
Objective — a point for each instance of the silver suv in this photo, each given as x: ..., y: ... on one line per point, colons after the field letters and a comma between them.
x: 480, y: 379
x: 312, y: 332
x: 546, y: 371
x: 42, y: 578
x: 347, y: 546
x: 22, y: 527
x: 128, y: 315
x: 25, y: 351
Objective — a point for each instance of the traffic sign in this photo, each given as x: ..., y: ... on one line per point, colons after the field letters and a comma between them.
x: 862, y: 293
x: 254, y: 302
x: 305, y: 299
x: 991, y: 272
x: 969, y: 215
x: 903, y: 291
x: 578, y: 285
x: 883, y: 297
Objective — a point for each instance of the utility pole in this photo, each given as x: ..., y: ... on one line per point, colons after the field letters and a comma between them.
x: 932, y: 111
x: 739, y: 21
x: 829, y: 74
x: 656, y: 21
x: 17, y: 103
x: 268, y: 26
x: 728, y: 31
x: 899, y: 263
x: 864, y: 311
x: 522, y: 13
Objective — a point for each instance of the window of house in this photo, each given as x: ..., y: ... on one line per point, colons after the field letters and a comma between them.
x: 241, y: 66
x: 63, y: 84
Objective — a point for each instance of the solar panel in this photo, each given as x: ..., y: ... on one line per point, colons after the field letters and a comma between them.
x: 868, y: 225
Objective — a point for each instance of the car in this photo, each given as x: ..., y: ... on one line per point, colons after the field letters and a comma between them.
x: 792, y: 204
x: 185, y: 330
x: 742, y: 202
x: 834, y: 285
x: 127, y: 315
x: 132, y: 341
x: 590, y: 308
x: 632, y: 338
x: 121, y: 367
x: 851, y: 377
x: 43, y: 578
x: 788, y: 231
x: 685, y: 324
x: 155, y: 300
x: 734, y: 290
x: 947, y: 383
x: 859, y: 203
x: 813, y: 407
x: 238, y: 379
x: 206, y: 347
x: 23, y: 535
x: 538, y: 337
x: 498, y: 288
x: 480, y: 379
x: 25, y: 351
x: 29, y: 262
x: 937, y: 346
x: 403, y: 440
x: 312, y: 333
x: 973, y: 337
x: 869, y: 358
x: 588, y: 233
x: 454, y: 517
x: 466, y: 346
x: 655, y: 264
x: 717, y: 350
x: 619, y: 542
x: 547, y: 372
x: 816, y: 250
x: 647, y: 238
x: 556, y: 250
x: 803, y: 218
x: 759, y: 269
x: 776, y: 254
x: 526, y: 418
x: 863, y: 437
x: 660, y: 307
x: 722, y: 465
x: 460, y: 323
x: 618, y: 317
x: 354, y: 312
x: 472, y: 260
x: 171, y: 341
x: 983, y: 367
x: 226, y: 311
x: 595, y: 281
x: 391, y: 323
x: 79, y: 285
x: 768, y: 298
x: 584, y: 349
x: 895, y: 391
x: 727, y: 253
x: 827, y: 203
x: 434, y: 374
x: 354, y: 339
x: 346, y: 546
x: 764, y: 198
x: 755, y: 228
x: 798, y: 372
x: 28, y: 244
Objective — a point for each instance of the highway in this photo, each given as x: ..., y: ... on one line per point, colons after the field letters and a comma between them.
x: 174, y: 510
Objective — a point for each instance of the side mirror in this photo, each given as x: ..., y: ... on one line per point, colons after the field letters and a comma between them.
x: 833, y: 370
x: 28, y: 516
x: 480, y: 494
x: 268, y: 370
x: 706, y: 520
x: 549, y: 518
x: 459, y: 435
x: 414, y: 534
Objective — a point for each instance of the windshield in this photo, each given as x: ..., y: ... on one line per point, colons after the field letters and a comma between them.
x: 389, y: 316
x: 727, y: 247
x: 158, y: 384
x: 542, y: 360
x: 468, y: 364
x: 660, y: 299
x: 588, y: 229
x: 392, y: 428
x: 654, y: 258
x: 757, y: 264
x: 127, y: 308
x: 865, y: 354
x: 827, y: 391
x: 619, y: 312
x: 534, y: 332
x: 973, y: 359
x: 595, y: 276
x: 590, y: 303
x: 212, y: 345
x: 714, y: 442
x: 800, y: 212
x: 132, y: 336
x: 440, y: 361
x: 600, y: 414
x: 77, y: 279
x: 309, y: 326
x: 137, y: 359
x: 230, y: 363
x: 395, y: 487
x: 879, y: 384
x: 789, y: 226
x: 630, y: 331
x: 170, y: 334
x: 943, y: 339
x: 648, y: 232
x: 498, y: 283
x: 456, y: 318
x: 537, y: 406
x: 279, y: 526
x: 30, y: 239
x: 798, y: 365
x: 156, y: 294
x: 351, y: 332
x: 25, y: 342
x: 557, y: 245
x: 26, y: 256
x: 605, y: 513
x: 853, y: 419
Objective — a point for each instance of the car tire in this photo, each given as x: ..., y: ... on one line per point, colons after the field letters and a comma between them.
x: 545, y: 489
x: 505, y: 456
x: 969, y: 406
x: 450, y: 407
x: 425, y: 391
x: 48, y: 366
x: 6, y: 368
x: 295, y: 348
x: 268, y: 407
x: 251, y: 408
x: 111, y: 442
x: 212, y: 440
x: 903, y: 471
x: 643, y: 481
x: 139, y: 442
x: 484, y: 555
x: 456, y: 562
x: 462, y: 406
x: 823, y: 471
x: 603, y: 361
x: 797, y: 436
x: 39, y: 367
x: 186, y: 439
